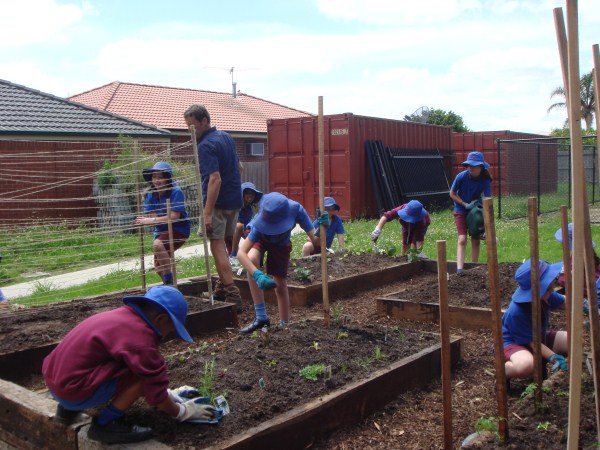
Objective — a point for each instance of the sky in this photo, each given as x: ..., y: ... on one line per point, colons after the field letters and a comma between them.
x: 493, y: 62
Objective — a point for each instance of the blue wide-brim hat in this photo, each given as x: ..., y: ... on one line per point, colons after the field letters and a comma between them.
x: 558, y: 236
x: 329, y: 202
x: 160, y: 166
x: 257, y: 194
x: 475, y: 159
x: 547, y: 272
x: 413, y: 212
x: 171, y: 301
x: 277, y: 214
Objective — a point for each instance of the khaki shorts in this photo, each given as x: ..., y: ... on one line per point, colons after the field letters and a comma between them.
x: 223, y: 223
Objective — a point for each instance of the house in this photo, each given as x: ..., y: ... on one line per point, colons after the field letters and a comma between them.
x: 243, y: 116
x: 50, y: 150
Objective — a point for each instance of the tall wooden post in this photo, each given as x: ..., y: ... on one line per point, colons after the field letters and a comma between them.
x: 139, y: 201
x: 536, y: 305
x: 323, y: 228
x: 171, y: 245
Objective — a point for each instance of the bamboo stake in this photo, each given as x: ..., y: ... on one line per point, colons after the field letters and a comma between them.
x: 202, y: 229
x: 566, y: 250
x: 139, y: 212
x: 323, y: 228
x: 596, y: 78
x: 578, y: 178
x: 536, y: 304
x: 496, y: 304
x: 171, y: 246
x: 442, y: 268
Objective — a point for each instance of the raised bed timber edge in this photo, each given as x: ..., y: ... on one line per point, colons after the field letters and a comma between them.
x: 460, y: 316
x: 26, y: 418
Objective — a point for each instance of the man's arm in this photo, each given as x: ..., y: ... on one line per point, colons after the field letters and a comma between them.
x: 214, y: 186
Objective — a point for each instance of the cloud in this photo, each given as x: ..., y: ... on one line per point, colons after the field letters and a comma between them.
x: 33, y: 21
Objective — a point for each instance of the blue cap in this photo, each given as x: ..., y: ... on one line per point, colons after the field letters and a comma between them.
x: 547, y: 273
x: 558, y: 236
x: 277, y: 214
x: 329, y: 202
x: 160, y: 166
x: 476, y: 159
x: 257, y: 194
x: 413, y: 212
x: 171, y: 301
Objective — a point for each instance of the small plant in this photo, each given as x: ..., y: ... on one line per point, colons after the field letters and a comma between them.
x: 313, y: 371
x: 543, y: 425
x: 207, y: 380
x: 336, y: 314
x: 344, y: 368
x: 254, y: 334
x: 302, y: 273
x: 530, y: 389
x: 342, y: 335
x: 489, y: 424
x: 271, y: 363
x: 363, y: 363
x: 378, y: 355
x: 315, y: 345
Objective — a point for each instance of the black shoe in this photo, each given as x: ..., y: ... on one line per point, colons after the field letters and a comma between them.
x: 256, y: 325
x: 116, y: 432
x: 65, y: 416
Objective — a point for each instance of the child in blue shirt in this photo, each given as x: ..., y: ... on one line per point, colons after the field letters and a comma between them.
x: 252, y: 198
x: 466, y: 193
x: 270, y: 233
x: 517, y: 329
x: 336, y: 227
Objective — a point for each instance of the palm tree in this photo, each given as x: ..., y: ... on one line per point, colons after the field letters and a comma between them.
x: 588, y: 102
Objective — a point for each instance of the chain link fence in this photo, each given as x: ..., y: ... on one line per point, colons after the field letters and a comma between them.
x: 540, y: 168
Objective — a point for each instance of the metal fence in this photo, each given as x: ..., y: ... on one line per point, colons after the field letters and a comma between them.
x: 540, y: 168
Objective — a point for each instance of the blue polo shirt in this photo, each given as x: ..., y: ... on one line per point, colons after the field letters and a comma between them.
x: 470, y: 189
x: 517, y: 325
x: 216, y: 153
x: 301, y: 218
x: 246, y: 214
x: 336, y: 226
x: 159, y: 206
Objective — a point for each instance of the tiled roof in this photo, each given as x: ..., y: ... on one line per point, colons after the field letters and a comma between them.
x: 164, y: 106
x: 28, y: 111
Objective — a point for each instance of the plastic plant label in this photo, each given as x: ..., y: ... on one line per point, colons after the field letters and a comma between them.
x: 385, y: 334
x: 240, y: 271
x: 261, y: 383
x: 346, y: 319
x: 327, y: 374
x: 222, y: 404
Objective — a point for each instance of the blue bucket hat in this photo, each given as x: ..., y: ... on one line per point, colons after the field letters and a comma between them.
x: 277, y: 214
x: 558, y: 236
x: 257, y: 194
x: 413, y: 212
x: 547, y: 272
x: 171, y: 301
x: 475, y: 159
x: 160, y: 166
x: 328, y: 202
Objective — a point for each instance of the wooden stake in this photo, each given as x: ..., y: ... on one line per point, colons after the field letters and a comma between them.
x: 171, y: 246
x: 596, y: 78
x: 566, y: 250
x: 578, y: 177
x: 139, y: 212
x: 442, y: 267
x: 202, y: 229
x: 536, y: 304
x: 496, y: 305
x: 323, y: 228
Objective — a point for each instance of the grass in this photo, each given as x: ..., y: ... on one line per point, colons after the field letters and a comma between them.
x: 78, y: 248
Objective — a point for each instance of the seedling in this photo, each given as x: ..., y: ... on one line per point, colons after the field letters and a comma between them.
x: 254, y: 334
x: 342, y: 335
x: 207, y: 380
x: 489, y: 424
x: 336, y: 314
x: 302, y: 273
x: 543, y: 425
x: 313, y: 371
x: 271, y: 363
x: 378, y: 355
x: 344, y: 368
x: 315, y: 345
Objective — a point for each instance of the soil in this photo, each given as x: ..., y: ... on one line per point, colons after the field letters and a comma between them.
x: 410, y: 421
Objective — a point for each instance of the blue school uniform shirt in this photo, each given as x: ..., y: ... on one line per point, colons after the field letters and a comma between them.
x: 517, y: 325
x: 216, y: 153
x: 282, y: 239
x: 336, y: 226
x: 159, y: 206
x: 245, y: 215
x: 470, y: 189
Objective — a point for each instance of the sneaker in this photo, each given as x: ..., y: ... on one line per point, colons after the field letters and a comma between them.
x: 256, y: 325
x: 232, y: 295
x: 117, y: 432
x: 65, y: 416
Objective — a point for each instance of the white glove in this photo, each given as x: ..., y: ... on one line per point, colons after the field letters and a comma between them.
x: 190, y: 410
x: 331, y: 251
x: 375, y: 234
x: 183, y: 394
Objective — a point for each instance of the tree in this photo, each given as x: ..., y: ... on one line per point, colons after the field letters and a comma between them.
x: 440, y: 117
x: 588, y: 102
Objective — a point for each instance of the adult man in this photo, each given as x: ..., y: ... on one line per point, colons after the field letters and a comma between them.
x: 221, y: 192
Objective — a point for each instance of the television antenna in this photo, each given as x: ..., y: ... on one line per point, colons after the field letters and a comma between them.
x: 421, y: 115
x: 231, y: 70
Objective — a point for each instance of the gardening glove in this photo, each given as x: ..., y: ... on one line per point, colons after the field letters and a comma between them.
x: 470, y: 206
x: 183, y: 394
x: 330, y: 251
x: 323, y: 219
x: 375, y: 234
x: 558, y: 362
x: 190, y: 410
x: 264, y: 281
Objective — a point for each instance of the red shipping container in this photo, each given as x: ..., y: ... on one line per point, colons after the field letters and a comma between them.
x: 517, y: 170
x: 294, y: 157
